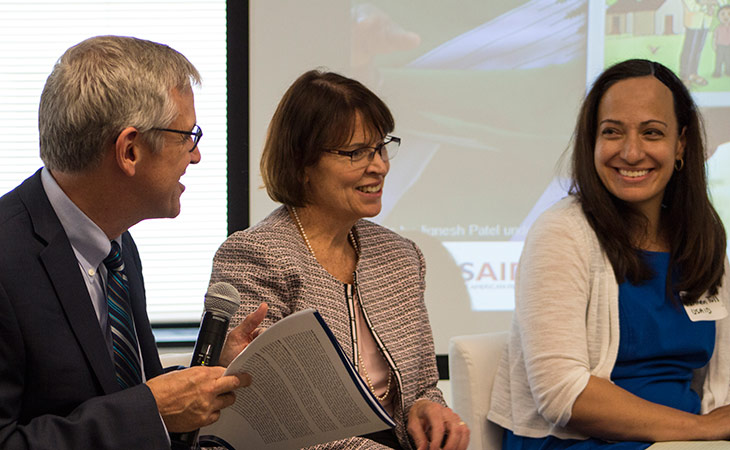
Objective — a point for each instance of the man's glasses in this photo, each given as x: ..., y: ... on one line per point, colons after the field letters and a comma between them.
x: 195, y: 134
x: 361, y: 157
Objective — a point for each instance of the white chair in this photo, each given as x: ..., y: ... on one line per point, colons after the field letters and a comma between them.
x: 169, y: 359
x: 473, y: 362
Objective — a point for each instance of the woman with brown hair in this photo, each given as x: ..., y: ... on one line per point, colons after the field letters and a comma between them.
x: 620, y: 335
x: 326, y: 157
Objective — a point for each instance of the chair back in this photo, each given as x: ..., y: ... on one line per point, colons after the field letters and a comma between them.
x: 473, y: 362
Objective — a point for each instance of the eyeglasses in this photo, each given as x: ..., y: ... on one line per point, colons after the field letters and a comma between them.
x: 195, y: 134
x: 361, y: 157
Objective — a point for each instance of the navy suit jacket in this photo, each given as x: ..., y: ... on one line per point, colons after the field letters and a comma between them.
x: 57, y: 384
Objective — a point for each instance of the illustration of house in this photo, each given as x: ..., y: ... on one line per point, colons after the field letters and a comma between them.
x: 644, y: 17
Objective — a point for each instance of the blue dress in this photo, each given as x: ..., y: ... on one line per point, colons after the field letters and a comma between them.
x: 659, y: 347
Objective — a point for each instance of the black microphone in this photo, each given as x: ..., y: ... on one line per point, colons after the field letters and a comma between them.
x: 221, y: 301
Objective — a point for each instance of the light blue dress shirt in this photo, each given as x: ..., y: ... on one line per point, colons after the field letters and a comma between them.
x: 90, y: 245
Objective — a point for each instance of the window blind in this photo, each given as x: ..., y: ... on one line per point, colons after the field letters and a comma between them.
x: 176, y: 254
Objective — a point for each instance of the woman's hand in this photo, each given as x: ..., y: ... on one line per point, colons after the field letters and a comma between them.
x: 716, y: 424
x: 242, y: 335
x: 433, y: 426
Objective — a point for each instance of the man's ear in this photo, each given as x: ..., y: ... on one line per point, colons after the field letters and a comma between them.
x: 127, y: 150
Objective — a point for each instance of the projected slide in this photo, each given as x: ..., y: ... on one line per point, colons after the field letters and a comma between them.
x: 489, y: 115
x: 485, y: 96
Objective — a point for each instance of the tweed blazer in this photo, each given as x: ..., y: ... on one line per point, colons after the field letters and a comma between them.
x: 270, y: 262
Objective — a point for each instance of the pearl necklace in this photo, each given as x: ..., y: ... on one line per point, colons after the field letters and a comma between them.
x: 370, y: 383
x: 306, y: 239
x: 360, y: 362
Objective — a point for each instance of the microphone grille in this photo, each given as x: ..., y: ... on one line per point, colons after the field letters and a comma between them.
x: 222, y: 298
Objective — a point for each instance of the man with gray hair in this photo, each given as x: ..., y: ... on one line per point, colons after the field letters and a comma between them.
x: 79, y: 368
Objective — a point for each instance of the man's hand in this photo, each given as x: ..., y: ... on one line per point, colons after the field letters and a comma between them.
x: 192, y: 398
x: 242, y: 335
x: 433, y: 426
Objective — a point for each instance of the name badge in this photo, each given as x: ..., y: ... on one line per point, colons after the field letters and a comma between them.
x: 707, y: 308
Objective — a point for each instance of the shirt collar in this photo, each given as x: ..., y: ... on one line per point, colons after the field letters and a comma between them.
x: 89, y: 242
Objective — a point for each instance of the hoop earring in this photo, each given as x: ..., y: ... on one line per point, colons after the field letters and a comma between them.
x: 679, y: 164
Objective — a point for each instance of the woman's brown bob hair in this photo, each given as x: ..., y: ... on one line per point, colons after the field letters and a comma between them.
x: 691, y: 225
x: 317, y: 112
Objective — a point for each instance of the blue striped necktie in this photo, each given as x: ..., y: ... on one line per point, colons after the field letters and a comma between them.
x: 124, y: 339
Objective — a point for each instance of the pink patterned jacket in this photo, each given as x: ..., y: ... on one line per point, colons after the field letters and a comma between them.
x: 270, y: 262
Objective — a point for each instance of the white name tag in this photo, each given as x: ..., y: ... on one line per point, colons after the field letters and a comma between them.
x: 707, y: 308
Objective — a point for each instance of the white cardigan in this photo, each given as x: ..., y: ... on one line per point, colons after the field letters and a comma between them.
x: 566, y: 328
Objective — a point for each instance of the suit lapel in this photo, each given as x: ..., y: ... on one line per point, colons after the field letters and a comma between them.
x: 60, y: 263
x: 133, y: 270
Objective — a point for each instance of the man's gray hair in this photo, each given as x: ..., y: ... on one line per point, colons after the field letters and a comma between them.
x: 101, y: 86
